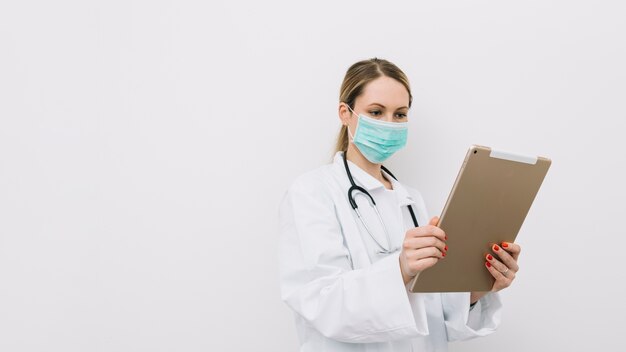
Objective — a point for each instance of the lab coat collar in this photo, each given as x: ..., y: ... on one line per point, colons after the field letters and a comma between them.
x: 367, y: 181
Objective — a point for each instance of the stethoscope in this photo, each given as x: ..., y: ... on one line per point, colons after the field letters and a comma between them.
x: 353, y: 188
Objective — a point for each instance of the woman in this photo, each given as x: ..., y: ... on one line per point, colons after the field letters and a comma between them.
x: 344, y: 270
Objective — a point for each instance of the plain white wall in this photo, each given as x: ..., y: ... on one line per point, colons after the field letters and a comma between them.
x: 145, y: 147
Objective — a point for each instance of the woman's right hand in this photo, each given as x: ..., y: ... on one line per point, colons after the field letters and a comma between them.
x: 422, y: 248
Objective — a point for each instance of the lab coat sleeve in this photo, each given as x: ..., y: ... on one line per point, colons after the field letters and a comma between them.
x: 318, y: 283
x: 463, y: 323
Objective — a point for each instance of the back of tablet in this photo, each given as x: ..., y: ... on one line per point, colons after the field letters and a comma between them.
x: 492, y: 194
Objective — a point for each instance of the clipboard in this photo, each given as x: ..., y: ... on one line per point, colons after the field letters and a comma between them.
x: 488, y: 204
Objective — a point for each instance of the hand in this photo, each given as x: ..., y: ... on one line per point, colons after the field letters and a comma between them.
x: 502, y: 266
x: 422, y: 248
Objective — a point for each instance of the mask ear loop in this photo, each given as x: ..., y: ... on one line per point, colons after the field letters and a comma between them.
x: 350, y: 133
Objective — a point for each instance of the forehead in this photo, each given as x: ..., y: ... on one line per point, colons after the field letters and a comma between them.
x: 386, y: 91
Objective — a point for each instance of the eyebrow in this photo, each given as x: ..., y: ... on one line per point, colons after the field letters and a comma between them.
x: 382, y: 106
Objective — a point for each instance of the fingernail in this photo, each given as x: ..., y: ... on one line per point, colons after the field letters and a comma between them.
x: 443, y: 253
x: 488, y: 264
x: 496, y: 248
x: 489, y: 257
x: 445, y: 248
x: 445, y: 237
x: 505, y: 245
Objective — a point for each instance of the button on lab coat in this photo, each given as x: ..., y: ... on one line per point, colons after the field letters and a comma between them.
x: 344, y: 294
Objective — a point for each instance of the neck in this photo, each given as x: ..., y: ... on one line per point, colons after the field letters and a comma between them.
x: 355, y: 156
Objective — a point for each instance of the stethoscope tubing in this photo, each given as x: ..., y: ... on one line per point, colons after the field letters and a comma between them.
x: 354, y: 188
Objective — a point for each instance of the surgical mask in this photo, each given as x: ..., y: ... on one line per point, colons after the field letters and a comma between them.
x: 378, y: 140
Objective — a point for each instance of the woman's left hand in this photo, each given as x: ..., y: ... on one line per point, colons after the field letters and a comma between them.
x: 502, y: 265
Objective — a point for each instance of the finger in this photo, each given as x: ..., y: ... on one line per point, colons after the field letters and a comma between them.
x: 506, y: 258
x: 422, y: 264
x: 428, y: 252
x: 428, y: 230
x: 434, y: 222
x: 418, y: 243
x: 503, y: 269
x: 501, y: 280
x: 513, y: 248
x: 422, y: 242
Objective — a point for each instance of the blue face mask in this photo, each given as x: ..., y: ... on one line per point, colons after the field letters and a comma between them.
x: 378, y: 140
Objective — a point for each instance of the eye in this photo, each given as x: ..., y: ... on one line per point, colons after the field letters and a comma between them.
x: 401, y: 115
x: 375, y: 112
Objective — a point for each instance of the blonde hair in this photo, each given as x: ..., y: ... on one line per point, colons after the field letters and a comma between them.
x: 357, y: 77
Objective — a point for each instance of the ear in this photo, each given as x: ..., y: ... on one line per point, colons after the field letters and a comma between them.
x: 344, y: 113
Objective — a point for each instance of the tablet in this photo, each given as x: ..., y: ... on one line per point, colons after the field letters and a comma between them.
x: 488, y: 203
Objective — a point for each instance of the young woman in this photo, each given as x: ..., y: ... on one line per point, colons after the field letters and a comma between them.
x: 352, y: 237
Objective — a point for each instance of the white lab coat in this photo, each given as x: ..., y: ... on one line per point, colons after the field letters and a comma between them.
x: 347, y: 297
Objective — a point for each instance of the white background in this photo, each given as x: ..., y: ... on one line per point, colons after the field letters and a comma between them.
x: 145, y: 147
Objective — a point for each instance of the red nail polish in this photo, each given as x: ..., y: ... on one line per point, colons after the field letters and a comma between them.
x: 445, y: 237
x: 489, y: 257
x: 488, y: 264
x: 443, y: 254
x: 445, y: 248
x: 505, y: 245
x: 496, y: 248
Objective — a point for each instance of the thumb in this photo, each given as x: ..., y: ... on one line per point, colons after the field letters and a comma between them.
x: 434, y: 221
